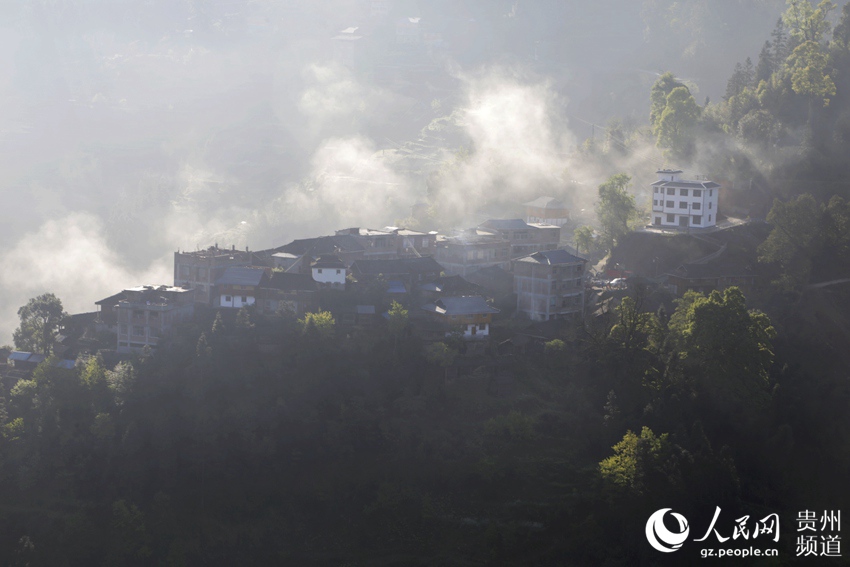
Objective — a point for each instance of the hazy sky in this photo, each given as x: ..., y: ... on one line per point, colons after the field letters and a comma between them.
x: 135, y: 128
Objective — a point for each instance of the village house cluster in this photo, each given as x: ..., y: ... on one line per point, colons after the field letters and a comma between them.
x: 458, y: 283
x: 425, y: 271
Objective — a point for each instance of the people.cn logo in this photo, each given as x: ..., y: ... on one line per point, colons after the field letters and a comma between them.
x: 660, y: 537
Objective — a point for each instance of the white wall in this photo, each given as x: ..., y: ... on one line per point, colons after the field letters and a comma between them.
x: 235, y: 301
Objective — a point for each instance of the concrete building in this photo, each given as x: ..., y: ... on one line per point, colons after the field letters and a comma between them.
x: 550, y: 285
x: 472, y: 250
x: 148, y: 313
x: 683, y: 203
x: 200, y: 269
x: 524, y: 238
x: 547, y: 210
x: 377, y: 244
x: 413, y: 242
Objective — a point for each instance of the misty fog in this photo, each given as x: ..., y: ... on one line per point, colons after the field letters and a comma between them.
x: 130, y: 130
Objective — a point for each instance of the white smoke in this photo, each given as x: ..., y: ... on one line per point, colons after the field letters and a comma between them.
x: 71, y: 258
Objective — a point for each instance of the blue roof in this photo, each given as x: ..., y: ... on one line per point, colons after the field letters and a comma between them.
x: 396, y: 287
x: 19, y: 355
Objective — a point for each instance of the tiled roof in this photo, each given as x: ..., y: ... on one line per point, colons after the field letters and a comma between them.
x: 328, y: 261
x: 241, y: 276
x: 546, y: 203
x: 111, y: 300
x: 551, y: 257
x: 686, y: 184
x: 464, y: 305
x: 505, y: 224
x: 286, y: 281
x: 396, y: 266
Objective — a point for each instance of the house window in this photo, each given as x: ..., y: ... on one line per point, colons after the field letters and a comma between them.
x: 655, y: 189
x: 709, y: 205
x: 244, y: 299
x: 671, y: 191
x: 697, y: 219
x: 683, y: 192
x: 670, y: 204
x: 655, y: 202
x: 683, y: 205
x: 696, y: 206
x: 697, y: 192
x: 711, y: 193
x: 709, y: 218
x: 337, y: 271
x: 228, y: 298
x: 123, y: 329
x: 138, y: 330
x: 482, y: 326
x: 473, y: 329
x: 657, y: 220
x: 320, y: 270
x: 671, y: 217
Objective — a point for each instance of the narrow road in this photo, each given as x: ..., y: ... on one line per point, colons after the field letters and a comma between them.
x: 824, y: 284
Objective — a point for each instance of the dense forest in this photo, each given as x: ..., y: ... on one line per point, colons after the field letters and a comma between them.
x: 251, y: 440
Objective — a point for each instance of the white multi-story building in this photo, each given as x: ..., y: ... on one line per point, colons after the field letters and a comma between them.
x: 683, y: 203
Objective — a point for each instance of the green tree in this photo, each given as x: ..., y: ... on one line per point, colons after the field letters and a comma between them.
x: 243, y: 320
x: 218, y: 328
x: 583, y: 237
x: 764, y: 67
x: 794, y: 238
x: 441, y: 354
x: 638, y: 461
x: 321, y: 325
x: 736, y: 83
x: 658, y: 96
x: 759, y: 127
x: 779, y: 44
x: 397, y: 319
x: 809, y: 78
x: 726, y: 345
x: 806, y: 22
x: 677, y: 123
x: 40, y: 319
x: 121, y: 381
x: 203, y: 350
x: 615, y: 208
